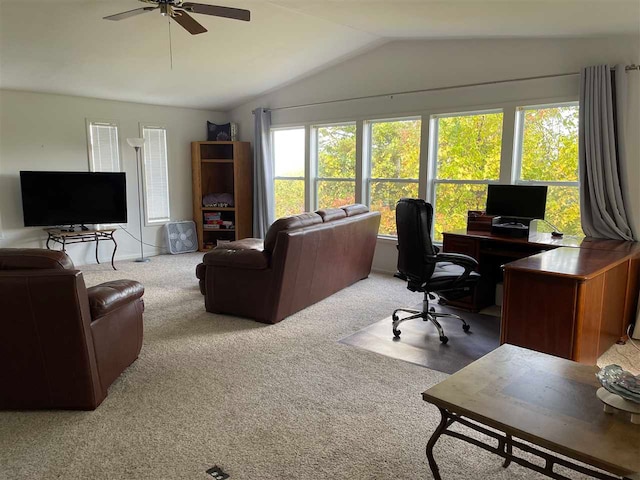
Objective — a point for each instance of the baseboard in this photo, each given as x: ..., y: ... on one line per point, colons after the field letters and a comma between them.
x: 386, y: 272
x: 131, y: 256
x: 124, y: 257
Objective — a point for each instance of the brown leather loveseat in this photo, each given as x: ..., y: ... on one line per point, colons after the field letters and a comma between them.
x: 303, y: 259
x: 62, y: 344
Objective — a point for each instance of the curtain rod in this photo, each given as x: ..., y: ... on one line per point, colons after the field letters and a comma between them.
x: 434, y: 89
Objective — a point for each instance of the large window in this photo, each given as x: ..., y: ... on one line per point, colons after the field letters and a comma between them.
x: 336, y: 165
x: 104, y: 150
x: 288, y: 157
x: 394, y: 161
x: 156, y: 178
x: 465, y: 154
x: 546, y: 153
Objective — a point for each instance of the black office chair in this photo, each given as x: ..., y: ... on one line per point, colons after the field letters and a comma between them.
x: 449, y: 275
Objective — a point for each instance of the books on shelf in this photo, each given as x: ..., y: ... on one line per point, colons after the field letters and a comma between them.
x: 214, y: 221
x: 219, y: 226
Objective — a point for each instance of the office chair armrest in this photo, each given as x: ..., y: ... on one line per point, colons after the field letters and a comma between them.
x: 468, y: 263
x: 457, y: 258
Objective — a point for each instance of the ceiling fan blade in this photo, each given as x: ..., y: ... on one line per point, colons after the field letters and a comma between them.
x: 129, y: 13
x: 226, y: 12
x: 187, y: 22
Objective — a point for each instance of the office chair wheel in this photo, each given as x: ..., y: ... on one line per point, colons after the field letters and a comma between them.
x: 444, y: 339
x: 432, y: 309
x: 396, y: 333
x: 466, y: 327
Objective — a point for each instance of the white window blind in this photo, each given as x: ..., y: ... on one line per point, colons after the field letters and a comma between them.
x: 156, y: 176
x: 104, y: 154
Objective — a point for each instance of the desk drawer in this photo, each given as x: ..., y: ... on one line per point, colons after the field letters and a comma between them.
x: 458, y: 244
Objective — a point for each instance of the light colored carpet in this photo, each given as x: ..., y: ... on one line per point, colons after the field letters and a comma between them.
x: 265, y: 402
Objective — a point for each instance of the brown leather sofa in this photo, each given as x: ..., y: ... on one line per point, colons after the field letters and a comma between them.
x: 303, y: 259
x: 62, y: 344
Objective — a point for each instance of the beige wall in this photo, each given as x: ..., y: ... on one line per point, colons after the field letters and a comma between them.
x: 48, y: 132
x: 419, y: 64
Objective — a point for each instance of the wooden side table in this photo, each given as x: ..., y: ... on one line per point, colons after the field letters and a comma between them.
x: 65, y: 238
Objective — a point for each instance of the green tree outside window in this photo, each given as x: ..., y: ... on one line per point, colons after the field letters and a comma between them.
x: 288, y: 153
x: 549, y: 155
x: 467, y: 158
x: 468, y: 149
x: 395, y: 166
x: 336, y: 184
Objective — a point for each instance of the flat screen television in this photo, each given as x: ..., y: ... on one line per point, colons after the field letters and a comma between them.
x: 73, y: 198
x: 518, y: 201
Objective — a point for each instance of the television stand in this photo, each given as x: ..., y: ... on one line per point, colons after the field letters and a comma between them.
x: 65, y: 237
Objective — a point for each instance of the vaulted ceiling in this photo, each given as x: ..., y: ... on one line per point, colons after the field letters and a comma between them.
x: 64, y: 46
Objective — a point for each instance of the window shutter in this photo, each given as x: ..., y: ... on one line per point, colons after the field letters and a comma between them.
x: 105, y: 155
x: 155, y: 174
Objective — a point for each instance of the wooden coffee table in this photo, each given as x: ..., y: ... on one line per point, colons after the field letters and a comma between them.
x: 546, y: 401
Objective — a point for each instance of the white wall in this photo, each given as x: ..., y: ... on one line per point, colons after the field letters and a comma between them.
x: 413, y: 65
x: 48, y: 132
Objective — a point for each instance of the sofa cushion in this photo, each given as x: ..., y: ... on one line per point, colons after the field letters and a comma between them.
x: 289, y: 223
x: 355, y: 209
x: 246, y: 253
x: 34, y: 259
x: 108, y: 296
x: 329, y: 214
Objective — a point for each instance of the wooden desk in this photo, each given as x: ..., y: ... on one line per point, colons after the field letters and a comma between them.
x: 571, y: 297
x: 547, y: 401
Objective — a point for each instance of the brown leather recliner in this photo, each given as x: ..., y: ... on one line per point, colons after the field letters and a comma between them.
x: 62, y: 344
x: 303, y: 259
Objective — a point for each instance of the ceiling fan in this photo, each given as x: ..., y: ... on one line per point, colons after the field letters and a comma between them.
x: 177, y: 9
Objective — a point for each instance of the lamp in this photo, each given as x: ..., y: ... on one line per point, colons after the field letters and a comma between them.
x: 137, y: 144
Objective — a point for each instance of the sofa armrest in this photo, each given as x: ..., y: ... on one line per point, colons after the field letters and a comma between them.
x: 201, y: 274
x: 108, y: 296
x: 247, y: 253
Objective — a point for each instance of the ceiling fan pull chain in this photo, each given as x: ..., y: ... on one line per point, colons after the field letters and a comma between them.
x: 170, y: 44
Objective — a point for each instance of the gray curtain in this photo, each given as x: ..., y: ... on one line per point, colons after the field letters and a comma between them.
x: 602, y: 155
x: 262, y: 173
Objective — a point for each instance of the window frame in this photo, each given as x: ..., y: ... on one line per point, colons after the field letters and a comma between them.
x: 518, y: 137
x: 161, y: 221
x: 433, y: 180
x: 368, y: 161
x: 273, y: 157
x: 89, y: 122
x: 315, y: 160
x: 518, y: 140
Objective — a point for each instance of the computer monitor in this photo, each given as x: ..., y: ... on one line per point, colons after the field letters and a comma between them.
x: 517, y: 201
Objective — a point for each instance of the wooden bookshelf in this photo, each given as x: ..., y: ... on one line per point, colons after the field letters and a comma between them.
x: 222, y: 167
